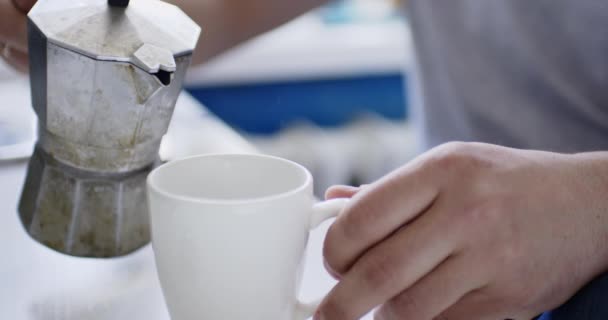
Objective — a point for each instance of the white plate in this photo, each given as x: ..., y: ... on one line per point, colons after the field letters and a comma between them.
x: 17, y: 120
x: 16, y: 152
x: 17, y: 140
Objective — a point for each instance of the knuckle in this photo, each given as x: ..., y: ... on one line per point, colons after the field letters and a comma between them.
x: 407, y: 306
x: 357, y: 221
x: 457, y: 149
x: 456, y: 146
x: 378, y: 271
x: 354, y: 225
x: 332, y: 309
x: 451, y: 155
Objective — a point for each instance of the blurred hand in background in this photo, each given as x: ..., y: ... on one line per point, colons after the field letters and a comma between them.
x: 227, y: 24
x: 13, y: 32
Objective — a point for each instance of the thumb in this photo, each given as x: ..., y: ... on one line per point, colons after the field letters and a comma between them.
x: 24, y: 5
x: 341, y: 192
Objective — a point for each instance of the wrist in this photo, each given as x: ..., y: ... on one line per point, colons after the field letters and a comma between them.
x: 593, y: 174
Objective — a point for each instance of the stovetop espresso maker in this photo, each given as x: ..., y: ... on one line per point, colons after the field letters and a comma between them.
x: 105, y: 78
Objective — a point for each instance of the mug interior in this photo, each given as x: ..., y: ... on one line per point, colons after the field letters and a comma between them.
x: 229, y: 178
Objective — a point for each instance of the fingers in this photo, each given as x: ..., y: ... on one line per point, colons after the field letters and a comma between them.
x: 432, y: 295
x: 337, y: 192
x: 17, y: 59
x: 375, y: 213
x: 13, y: 26
x: 384, y: 271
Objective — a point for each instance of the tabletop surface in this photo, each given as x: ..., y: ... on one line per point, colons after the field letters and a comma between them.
x: 39, y: 284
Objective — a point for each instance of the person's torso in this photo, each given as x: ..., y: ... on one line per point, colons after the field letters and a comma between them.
x: 520, y: 73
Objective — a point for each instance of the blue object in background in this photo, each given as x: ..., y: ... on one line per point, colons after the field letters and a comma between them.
x: 590, y: 303
x: 268, y: 108
x: 341, y: 12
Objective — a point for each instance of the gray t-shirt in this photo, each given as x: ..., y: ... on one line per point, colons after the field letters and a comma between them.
x: 521, y: 73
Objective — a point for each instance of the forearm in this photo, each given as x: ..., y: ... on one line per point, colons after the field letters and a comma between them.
x: 227, y: 23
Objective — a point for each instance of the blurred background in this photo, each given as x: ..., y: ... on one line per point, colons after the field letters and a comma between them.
x: 328, y: 90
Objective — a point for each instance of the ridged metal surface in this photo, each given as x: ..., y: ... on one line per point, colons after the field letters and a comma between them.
x: 82, y: 213
x: 104, y: 92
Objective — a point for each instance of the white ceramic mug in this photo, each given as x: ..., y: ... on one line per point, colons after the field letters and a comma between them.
x: 229, y: 233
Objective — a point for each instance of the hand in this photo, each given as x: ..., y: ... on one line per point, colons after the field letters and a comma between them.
x: 470, y: 232
x: 13, y: 32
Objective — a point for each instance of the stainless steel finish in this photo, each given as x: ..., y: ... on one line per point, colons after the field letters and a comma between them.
x: 104, y: 116
x: 94, y: 29
x: 105, y: 81
x: 84, y: 214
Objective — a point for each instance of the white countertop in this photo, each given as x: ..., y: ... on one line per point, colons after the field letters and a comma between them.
x: 39, y: 284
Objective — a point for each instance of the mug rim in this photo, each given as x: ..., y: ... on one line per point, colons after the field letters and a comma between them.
x: 153, y: 185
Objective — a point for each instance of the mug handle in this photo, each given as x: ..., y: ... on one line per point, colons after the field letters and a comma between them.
x: 321, y: 212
